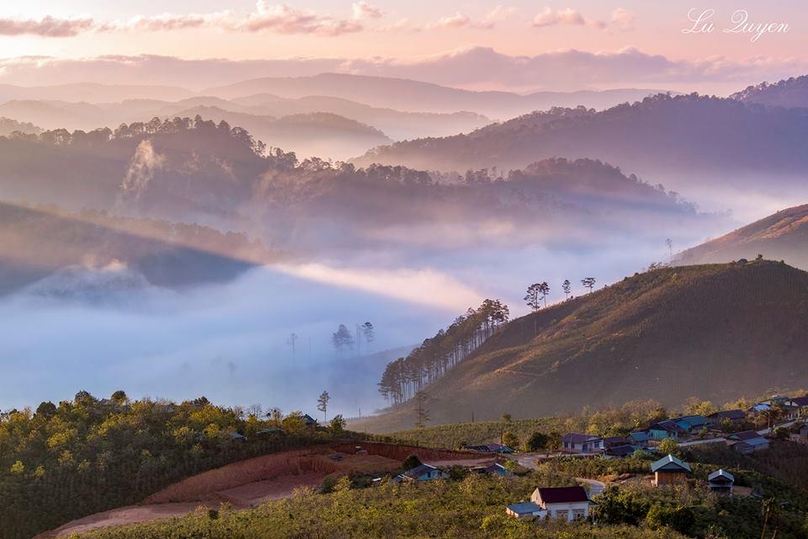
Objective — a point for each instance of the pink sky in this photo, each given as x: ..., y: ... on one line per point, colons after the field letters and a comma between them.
x: 618, y: 43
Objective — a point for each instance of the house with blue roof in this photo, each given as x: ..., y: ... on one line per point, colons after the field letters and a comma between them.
x: 525, y: 511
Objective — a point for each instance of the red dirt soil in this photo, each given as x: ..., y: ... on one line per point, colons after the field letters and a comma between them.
x: 251, y: 482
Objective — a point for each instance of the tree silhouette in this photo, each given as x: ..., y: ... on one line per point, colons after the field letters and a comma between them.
x: 589, y: 282
x: 532, y: 296
x: 544, y: 290
x: 370, y: 333
x: 342, y: 339
x: 322, y: 404
x: 566, y: 286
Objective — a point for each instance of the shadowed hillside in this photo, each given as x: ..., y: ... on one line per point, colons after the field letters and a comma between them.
x: 94, y: 249
x: 716, y: 332
x: 782, y: 236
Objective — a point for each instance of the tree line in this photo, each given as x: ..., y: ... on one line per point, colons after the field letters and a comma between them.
x: 406, y: 376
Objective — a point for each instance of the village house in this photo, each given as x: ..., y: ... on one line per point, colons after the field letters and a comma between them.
x: 803, y: 435
x: 492, y: 469
x: 802, y: 405
x: 639, y: 439
x: 525, y: 511
x: 692, y: 424
x: 747, y: 442
x: 564, y: 503
x: 664, y: 429
x: 734, y: 417
x: 422, y: 472
x: 582, y: 443
x: 670, y: 471
x: 721, y: 481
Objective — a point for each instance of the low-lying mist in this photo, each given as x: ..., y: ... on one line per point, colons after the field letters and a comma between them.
x: 106, y: 329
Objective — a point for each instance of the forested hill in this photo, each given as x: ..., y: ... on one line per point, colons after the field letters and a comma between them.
x: 781, y: 236
x: 40, y: 241
x: 194, y: 170
x: 8, y: 126
x: 714, y: 331
x: 789, y: 93
x: 662, y: 133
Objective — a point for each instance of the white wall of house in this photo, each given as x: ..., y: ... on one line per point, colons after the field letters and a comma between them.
x: 564, y: 511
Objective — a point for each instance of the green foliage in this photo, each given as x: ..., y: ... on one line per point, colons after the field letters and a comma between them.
x: 90, y: 455
x: 511, y: 439
x: 537, y: 441
x: 620, y: 506
x: 471, y: 508
x: 669, y: 446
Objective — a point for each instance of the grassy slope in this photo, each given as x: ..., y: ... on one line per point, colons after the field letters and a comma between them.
x: 781, y: 236
x: 717, y: 332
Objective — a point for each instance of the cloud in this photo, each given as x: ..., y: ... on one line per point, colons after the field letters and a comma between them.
x: 499, y: 14
x: 282, y: 19
x: 565, y: 17
x: 623, y: 19
x: 45, y: 27
x: 362, y: 11
x: 458, y: 20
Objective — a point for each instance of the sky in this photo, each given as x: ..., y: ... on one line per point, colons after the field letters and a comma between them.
x: 520, y: 45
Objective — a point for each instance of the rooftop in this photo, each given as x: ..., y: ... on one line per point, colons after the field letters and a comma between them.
x: 563, y: 495
x: 720, y: 476
x: 525, y: 508
x: 670, y: 464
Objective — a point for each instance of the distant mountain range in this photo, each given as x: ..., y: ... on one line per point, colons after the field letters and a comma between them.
x: 662, y: 134
x: 415, y: 96
x: 716, y: 332
x: 782, y: 236
x: 89, y: 92
x: 789, y: 93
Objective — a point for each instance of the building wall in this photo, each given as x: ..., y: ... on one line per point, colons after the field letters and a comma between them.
x: 669, y: 478
x: 568, y: 511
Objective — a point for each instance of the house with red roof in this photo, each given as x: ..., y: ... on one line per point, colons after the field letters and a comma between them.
x: 565, y: 503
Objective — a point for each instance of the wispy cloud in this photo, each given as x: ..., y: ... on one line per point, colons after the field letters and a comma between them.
x: 363, y: 11
x: 458, y: 20
x: 45, y: 27
x: 283, y: 19
x: 621, y: 19
x: 561, y: 17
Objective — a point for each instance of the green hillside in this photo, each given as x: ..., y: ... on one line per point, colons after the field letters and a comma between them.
x: 716, y: 332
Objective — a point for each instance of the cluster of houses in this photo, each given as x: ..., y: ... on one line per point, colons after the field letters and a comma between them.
x: 574, y: 503
x: 427, y: 472
x: 689, y: 427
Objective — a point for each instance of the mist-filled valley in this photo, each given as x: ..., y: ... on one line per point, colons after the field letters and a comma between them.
x: 215, y: 243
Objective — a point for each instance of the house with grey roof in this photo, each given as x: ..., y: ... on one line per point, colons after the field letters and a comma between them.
x: 582, y: 443
x: 670, y: 470
x: 721, y: 481
x: 525, y: 511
